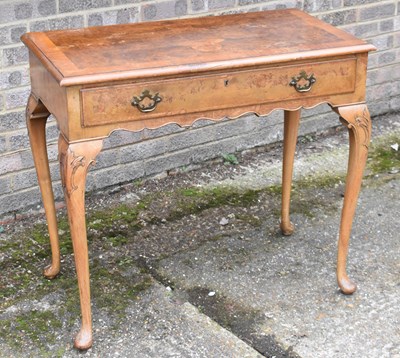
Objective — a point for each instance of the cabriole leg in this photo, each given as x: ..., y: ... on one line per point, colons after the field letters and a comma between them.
x: 75, y: 160
x: 291, y: 126
x: 36, y: 118
x: 357, y: 119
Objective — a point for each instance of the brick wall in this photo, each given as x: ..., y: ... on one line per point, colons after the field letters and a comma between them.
x: 170, y: 147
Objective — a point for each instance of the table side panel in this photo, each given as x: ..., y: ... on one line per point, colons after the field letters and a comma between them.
x: 361, y: 77
x: 46, y: 88
x: 103, y: 105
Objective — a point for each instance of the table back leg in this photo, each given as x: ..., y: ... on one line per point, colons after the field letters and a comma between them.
x: 357, y: 119
x: 291, y: 126
x: 75, y: 160
x: 36, y: 118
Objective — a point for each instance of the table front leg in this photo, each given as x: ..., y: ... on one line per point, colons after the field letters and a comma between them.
x: 36, y: 118
x: 75, y: 160
x: 291, y: 126
x: 357, y: 119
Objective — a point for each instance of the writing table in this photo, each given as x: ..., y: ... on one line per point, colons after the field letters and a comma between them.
x: 135, y: 76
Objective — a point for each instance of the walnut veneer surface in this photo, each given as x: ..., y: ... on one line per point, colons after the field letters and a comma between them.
x: 135, y: 76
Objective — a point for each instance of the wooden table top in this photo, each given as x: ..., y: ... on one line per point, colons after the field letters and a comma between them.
x: 195, y: 45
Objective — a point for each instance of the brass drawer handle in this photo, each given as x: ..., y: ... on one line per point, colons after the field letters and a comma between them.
x: 309, y: 81
x: 149, y: 105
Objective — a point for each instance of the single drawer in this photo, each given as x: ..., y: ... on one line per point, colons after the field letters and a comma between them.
x: 148, y: 100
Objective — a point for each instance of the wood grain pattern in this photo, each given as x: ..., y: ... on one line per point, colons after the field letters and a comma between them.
x: 165, y: 48
x: 48, y: 90
x: 216, y: 92
x: 212, y: 67
x: 66, y: 103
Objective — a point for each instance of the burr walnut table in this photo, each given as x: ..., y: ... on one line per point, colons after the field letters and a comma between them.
x: 101, y: 79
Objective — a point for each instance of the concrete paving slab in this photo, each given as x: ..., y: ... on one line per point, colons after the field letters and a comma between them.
x: 154, y: 326
x: 238, y: 287
x: 290, y: 281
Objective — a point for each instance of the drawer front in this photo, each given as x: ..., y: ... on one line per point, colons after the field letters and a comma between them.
x: 148, y: 100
